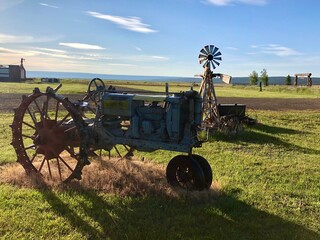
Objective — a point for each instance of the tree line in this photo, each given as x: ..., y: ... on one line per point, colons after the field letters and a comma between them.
x: 254, y: 78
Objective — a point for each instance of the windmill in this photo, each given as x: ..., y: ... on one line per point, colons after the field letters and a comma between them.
x: 228, y: 118
x: 210, y: 58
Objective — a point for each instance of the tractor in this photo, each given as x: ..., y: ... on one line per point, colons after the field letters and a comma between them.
x: 55, y: 137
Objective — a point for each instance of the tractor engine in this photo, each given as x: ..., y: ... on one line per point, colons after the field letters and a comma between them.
x: 150, y: 122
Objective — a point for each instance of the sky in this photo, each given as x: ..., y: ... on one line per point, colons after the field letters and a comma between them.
x: 161, y: 37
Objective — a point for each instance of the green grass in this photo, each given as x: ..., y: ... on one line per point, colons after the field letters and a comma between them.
x: 80, y: 87
x: 269, y: 176
x: 7, y: 152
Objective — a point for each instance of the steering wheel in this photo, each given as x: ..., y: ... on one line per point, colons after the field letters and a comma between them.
x: 95, y: 88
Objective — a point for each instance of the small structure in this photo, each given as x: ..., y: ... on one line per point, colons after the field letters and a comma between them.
x: 303, y: 75
x: 12, y: 73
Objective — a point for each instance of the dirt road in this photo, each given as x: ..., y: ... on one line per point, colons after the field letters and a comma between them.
x: 10, y: 101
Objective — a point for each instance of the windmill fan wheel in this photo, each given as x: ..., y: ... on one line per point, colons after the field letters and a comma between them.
x: 210, y: 56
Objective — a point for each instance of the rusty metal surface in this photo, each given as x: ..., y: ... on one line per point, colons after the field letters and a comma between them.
x: 48, y: 136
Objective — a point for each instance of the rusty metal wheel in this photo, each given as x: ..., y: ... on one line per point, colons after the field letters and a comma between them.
x: 47, y: 134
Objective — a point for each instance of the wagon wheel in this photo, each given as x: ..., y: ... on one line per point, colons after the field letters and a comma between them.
x: 185, y: 172
x: 206, y: 168
x: 47, y: 133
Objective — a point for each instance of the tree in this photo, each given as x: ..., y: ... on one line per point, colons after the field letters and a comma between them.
x: 288, y: 80
x: 253, y: 78
x: 264, y: 77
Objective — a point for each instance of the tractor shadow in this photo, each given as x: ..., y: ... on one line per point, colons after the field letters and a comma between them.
x: 265, y: 134
x: 164, y: 215
x: 165, y: 218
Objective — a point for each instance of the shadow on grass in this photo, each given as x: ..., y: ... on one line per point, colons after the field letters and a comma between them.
x: 274, y: 129
x: 260, y: 134
x: 152, y: 217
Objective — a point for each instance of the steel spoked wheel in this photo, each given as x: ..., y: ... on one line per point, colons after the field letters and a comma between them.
x: 206, y: 168
x: 47, y: 137
x: 183, y: 171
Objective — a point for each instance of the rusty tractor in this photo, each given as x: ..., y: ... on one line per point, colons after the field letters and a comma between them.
x: 55, y: 137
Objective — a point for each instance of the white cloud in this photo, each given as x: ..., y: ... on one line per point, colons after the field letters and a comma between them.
x: 160, y: 58
x: 82, y: 46
x: 122, y: 64
x: 130, y: 23
x: 5, y: 4
x: 50, y: 50
x: 48, y: 5
x: 6, y: 38
x: 7, y: 50
x: 99, y: 57
x: 235, y: 2
x: 277, y: 50
x: 143, y: 58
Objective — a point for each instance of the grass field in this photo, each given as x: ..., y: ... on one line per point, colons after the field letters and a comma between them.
x: 222, y: 90
x: 267, y: 186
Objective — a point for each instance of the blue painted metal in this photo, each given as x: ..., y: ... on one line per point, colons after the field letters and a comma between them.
x: 149, y: 122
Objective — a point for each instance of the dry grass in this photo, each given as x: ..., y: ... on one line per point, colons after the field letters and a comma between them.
x: 119, y: 177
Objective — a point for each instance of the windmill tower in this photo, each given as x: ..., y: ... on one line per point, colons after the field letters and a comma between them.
x: 210, y: 57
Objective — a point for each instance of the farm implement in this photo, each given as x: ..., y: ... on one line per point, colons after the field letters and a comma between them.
x: 56, y: 138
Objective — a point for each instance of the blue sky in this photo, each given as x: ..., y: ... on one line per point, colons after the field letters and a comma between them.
x: 161, y: 37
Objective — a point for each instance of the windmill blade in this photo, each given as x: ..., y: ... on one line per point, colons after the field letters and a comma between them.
x: 217, y: 54
x: 202, y: 56
x: 213, y: 66
x: 217, y: 63
x: 211, y: 48
x: 215, y: 50
x: 202, y: 60
x: 203, y: 51
x: 205, y: 64
x: 217, y: 58
x: 207, y: 48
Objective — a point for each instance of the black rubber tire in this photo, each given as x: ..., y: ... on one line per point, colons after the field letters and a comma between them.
x: 185, y: 172
x: 206, y: 168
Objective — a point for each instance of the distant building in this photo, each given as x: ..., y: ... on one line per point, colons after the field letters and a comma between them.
x: 12, y: 73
